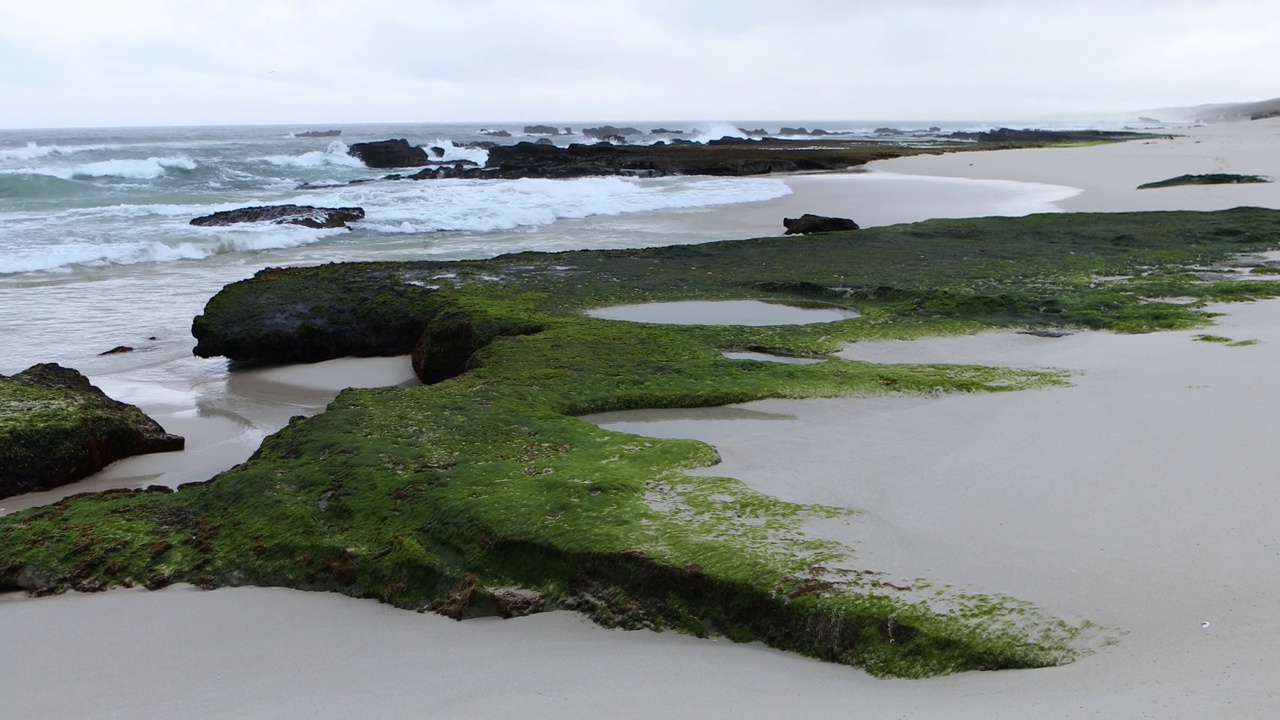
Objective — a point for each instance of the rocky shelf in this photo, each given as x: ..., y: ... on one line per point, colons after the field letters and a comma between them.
x: 480, y: 492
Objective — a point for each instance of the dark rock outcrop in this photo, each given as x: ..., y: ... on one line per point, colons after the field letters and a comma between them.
x: 808, y: 224
x: 1011, y: 135
x: 541, y: 130
x: 496, y: 133
x: 56, y: 428
x: 318, y: 134
x: 605, y: 131
x: 304, y: 215
x: 313, y: 314
x: 665, y: 131
x: 389, y: 154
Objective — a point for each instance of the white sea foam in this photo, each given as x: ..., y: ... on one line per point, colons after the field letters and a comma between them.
x: 453, y: 153
x: 707, y: 132
x: 335, y: 154
x: 127, y: 168
x: 33, y: 151
x: 196, y: 245
x: 491, y: 205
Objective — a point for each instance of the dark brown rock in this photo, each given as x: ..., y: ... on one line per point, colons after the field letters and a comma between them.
x: 807, y: 224
x: 389, y: 154
x: 118, y: 349
x: 304, y: 215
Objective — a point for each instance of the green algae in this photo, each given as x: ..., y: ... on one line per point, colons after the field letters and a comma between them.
x: 484, y: 494
x: 1207, y: 179
x: 56, y: 428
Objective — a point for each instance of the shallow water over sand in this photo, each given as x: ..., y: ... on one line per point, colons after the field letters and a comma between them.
x: 766, y: 357
x: 709, y: 425
x: 723, y: 312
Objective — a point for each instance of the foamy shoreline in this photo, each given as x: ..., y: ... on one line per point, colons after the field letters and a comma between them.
x: 1141, y: 498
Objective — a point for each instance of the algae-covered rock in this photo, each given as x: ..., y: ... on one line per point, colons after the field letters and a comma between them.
x: 1207, y: 179
x: 314, y: 314
x: 56, y: 428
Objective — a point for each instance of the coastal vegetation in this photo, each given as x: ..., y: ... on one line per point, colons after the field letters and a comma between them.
x: 481, y: 492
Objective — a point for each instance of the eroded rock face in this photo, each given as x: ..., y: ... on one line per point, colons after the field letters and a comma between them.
x: 807, y: 224
x: 304, y: 215
x: 56, y: 428
x: 454, y: 336
x: 389, y: 154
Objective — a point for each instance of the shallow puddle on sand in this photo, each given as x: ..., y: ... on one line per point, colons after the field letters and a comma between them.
x: 766, y: 357
x: 722, y: 312
x: 706, y: 424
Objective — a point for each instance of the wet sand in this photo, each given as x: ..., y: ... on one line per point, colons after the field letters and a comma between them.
x: 1143, y: 498
x: 224, y: 421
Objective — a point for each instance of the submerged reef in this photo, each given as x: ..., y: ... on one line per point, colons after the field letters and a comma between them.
x: 482, y: 493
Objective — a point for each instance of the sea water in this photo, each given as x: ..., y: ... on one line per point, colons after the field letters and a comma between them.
x: 97, y: 250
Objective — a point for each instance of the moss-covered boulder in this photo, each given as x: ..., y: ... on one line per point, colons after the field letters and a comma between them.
x: 313, y: 314
x: 56, y: 428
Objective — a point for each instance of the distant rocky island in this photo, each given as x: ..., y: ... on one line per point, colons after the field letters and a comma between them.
x: 318, y: 133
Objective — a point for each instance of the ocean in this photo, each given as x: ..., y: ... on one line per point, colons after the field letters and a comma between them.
x: 96, y: 249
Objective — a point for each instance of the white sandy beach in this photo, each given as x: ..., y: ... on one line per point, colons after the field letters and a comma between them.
x: 1143, y: 498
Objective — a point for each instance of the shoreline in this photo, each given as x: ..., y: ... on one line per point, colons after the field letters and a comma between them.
x: 224, y: 428
x: 1123, y: 403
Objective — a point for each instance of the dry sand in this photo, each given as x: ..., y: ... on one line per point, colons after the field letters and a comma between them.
x: 1108, y: 175
x: 1143, y: 498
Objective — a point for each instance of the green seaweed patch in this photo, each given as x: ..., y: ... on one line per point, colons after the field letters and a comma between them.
x: 483, y: 493
x: 1222, y: 340
x: 1206, y: 179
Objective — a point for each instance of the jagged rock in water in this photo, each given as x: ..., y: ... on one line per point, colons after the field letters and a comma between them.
x: 389, y: 154
x: 541, y: 130
x: 606, y: 131
x: 304, y: 215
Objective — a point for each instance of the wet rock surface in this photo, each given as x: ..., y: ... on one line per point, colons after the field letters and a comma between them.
x: 304, y: 215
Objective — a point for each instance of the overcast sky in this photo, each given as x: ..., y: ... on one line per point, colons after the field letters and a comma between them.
x: 204, y: 62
